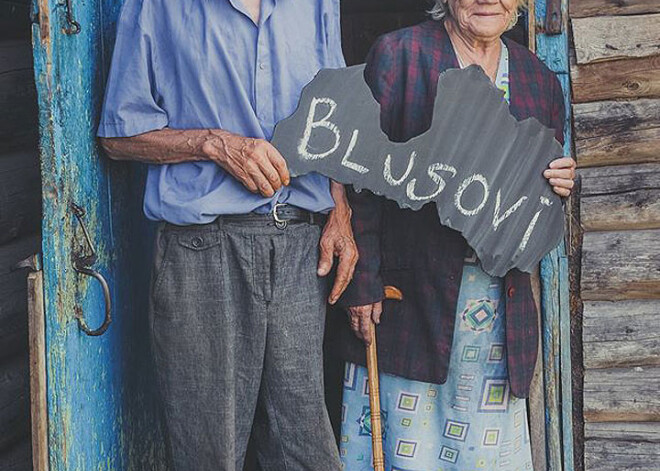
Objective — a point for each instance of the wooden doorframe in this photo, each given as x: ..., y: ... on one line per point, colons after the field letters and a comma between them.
x: 552, y: 49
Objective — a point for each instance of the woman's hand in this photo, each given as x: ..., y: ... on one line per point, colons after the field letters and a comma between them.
x: 561, y: 175
x: 361, y: 318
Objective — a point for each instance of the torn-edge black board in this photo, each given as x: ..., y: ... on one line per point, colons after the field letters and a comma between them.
x: 481, y: 166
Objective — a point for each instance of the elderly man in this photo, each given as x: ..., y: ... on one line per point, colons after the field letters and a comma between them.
x: 238, y: 303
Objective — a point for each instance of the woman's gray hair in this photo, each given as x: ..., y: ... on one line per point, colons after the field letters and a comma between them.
x: 440, y: 9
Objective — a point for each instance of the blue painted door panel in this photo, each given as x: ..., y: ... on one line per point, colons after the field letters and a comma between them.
x: 101, y: 411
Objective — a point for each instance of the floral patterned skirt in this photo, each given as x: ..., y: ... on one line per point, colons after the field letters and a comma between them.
x: 471, y: 422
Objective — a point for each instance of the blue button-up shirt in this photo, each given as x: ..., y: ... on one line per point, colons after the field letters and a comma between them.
x: 197, y: 64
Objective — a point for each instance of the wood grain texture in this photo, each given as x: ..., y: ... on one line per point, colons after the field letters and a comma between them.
x: 621, y: 265
x: 38, y: 386
x: 627, y: 78
x: 620, y: 197
x: 622, y: 394
x: 20, y: 195
x: 622, y: 446
x: 617, y: 132
x: 615, y: 37
x: 623, y: 333
x: 584, y: 8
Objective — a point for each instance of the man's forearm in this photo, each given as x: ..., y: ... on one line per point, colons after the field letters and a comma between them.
x: 253, y: 162
x: 165, y: 146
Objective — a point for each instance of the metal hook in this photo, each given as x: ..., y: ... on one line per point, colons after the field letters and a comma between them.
x: 82, y: 264
x: 73, y: 27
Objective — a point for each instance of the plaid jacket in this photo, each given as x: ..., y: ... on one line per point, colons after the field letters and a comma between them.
x: 410, y: 249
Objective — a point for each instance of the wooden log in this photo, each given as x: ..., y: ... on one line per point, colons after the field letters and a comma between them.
x: 615, y: 37
x: 627, y: 78
x: 622, y: 394
x: 585, y: 8
x: 20, y: 195
x: 613, y: 132
x: 621, y: 197
x: 623, y: 431
x: 622, y: 446
x: 621, y: 265
x: 623, y: 333
x: 18, y: 96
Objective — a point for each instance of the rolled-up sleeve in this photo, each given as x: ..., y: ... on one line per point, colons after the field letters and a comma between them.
x: 130, y: 106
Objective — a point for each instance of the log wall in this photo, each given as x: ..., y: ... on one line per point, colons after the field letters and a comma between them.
x: 615, y: 75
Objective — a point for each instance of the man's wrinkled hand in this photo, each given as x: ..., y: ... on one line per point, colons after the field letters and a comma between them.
x: 253, y: 162
x: 337, y: 241
x: 362, y: 319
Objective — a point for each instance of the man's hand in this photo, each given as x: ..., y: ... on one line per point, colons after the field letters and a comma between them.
x: 337, y: 240
x: 560, y: 175
x: 362, y: 317
x: 253, y: 162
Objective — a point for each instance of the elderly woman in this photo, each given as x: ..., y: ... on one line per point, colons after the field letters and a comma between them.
x: 458, y: 352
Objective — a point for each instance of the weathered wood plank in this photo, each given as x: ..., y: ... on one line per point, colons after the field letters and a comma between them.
x: 622, y: 394
x: 621, y: 265
x: 623, y: 333
x: 536, y: 404
x: 18, y: 96
x: 627, y: 78
x: 608, y: 455
x: 38, y: 386
x: 612, y: 132
x: 624, y: 431
x: 598, y: 181
x: 621, y: 197
x: 20, y: 195
x: 584, y: 8
x: 615, y: 37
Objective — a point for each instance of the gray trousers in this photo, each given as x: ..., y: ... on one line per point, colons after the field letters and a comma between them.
x: 237, y: 318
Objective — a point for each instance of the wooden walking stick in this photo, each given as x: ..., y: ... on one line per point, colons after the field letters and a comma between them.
x: 391, y: 292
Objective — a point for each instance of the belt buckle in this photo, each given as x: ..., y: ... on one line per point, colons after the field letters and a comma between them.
x: 279, y: 223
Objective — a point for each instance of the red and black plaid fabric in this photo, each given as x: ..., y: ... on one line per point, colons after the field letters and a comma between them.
x: 411, y: 249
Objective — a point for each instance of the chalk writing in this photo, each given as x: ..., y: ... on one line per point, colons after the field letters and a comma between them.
x: 481, y: 167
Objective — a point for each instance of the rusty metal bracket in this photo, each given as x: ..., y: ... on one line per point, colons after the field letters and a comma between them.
x: 72, y: 27
x: 82, y: 264
x: 553, y: 19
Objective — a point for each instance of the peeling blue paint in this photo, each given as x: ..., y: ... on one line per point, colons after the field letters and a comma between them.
x: 100, y: 409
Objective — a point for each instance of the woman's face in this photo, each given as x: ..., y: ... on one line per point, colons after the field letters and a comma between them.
x: 482, y: 19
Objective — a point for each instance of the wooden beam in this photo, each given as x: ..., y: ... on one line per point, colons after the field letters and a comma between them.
x: 38, y: 386
x: 615, y: 37
x: 621, y: 265
x: 584, y: 8
x: 622, y: 446
x: 622, y: 394
x: 627, y: 78
x: 623, y: 333
x: 617, y: 132
x: 620, y: 197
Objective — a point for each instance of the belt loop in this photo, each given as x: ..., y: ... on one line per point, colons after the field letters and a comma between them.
x: 219, y: 222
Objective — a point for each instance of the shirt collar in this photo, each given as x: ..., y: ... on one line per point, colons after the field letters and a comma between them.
x: 267, y: 7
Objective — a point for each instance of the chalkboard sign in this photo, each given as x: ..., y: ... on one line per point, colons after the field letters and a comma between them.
x: 481, y: 167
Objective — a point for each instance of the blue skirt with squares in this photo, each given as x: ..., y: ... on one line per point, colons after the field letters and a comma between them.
x: 471, y: 422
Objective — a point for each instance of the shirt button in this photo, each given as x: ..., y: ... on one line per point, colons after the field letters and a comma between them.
x: 511, y: 292
x: 262, y: 66
x: 197, y: 242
